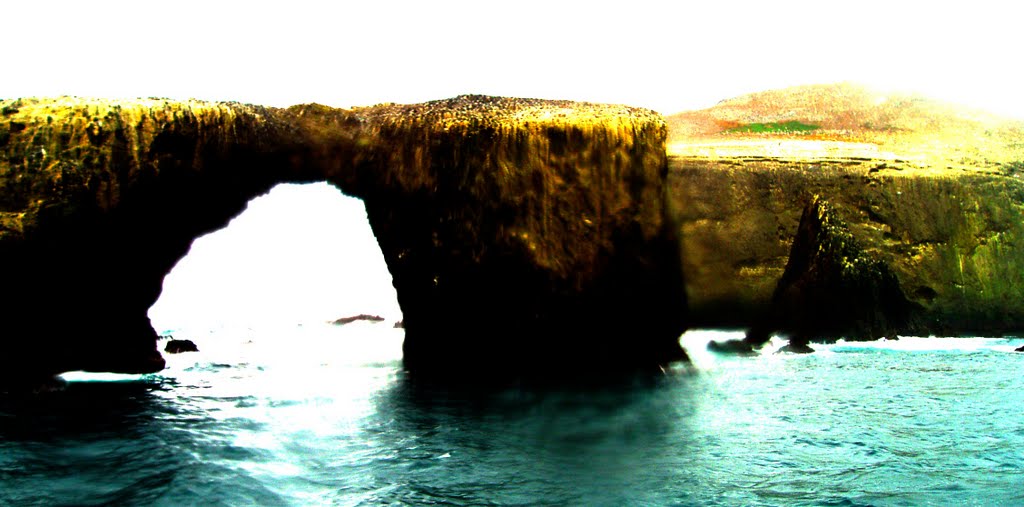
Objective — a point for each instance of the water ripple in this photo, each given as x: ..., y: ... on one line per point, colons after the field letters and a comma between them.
x: 851, y: 427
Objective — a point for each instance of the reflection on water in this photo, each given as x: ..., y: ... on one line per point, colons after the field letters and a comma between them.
x: 341, y: 424
x: 94, y: 443
x: 608, y: 445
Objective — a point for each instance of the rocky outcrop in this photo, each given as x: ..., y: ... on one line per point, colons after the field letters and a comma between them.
x: 832, y: 288
x: 520, y: 234
x: 356, y: 318
x: 179, y: 346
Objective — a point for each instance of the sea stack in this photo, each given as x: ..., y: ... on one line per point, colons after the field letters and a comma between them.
x: 832, y: 288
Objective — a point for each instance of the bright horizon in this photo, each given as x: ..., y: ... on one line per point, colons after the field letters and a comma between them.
x: 669, y: 58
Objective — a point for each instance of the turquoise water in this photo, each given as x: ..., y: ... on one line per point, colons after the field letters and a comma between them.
x: 321, y: 415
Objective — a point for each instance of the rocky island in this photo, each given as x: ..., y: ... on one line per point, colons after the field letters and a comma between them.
x: 522, y: 235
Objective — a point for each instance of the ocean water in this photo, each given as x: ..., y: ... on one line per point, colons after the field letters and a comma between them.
x: 324, y: 415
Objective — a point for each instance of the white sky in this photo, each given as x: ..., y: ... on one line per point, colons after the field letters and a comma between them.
x: 669, y: 56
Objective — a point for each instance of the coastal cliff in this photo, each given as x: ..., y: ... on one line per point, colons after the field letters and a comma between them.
x: 521, y: 234
x: 931, y: 191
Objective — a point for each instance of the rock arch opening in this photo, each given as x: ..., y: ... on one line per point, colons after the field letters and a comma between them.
x: 301, y: 254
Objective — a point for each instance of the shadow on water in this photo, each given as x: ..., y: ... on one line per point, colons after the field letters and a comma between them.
x: 627, y: 441
x: 82, y: 410
x: 106, y: 443
x: 592, y: 443
x: 74, y: 438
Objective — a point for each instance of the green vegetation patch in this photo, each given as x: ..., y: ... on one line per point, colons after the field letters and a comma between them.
x: 1010, y: 168
x: 775, y: 127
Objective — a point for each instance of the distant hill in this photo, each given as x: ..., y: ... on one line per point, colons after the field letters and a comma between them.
x: 909, y: 126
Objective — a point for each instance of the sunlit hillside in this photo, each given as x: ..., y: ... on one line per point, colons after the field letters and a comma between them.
x: 851, y: 121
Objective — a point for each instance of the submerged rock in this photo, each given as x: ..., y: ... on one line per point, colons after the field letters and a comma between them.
x: 361, y: 317
x: 796, y: 347
x: 738, y: 347
x: 179, y: 346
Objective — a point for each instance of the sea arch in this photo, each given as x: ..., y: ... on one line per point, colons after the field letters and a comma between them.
x: 521, y: 235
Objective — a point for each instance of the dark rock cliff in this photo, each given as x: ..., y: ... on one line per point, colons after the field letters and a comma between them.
x: 521, y: 234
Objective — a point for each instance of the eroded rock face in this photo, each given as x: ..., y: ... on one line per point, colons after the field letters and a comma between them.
x: 520, y: 234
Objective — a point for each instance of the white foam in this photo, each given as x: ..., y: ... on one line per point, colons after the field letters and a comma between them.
x: 921, y: 344
x: 89, y: 376
x: 696, y: 341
